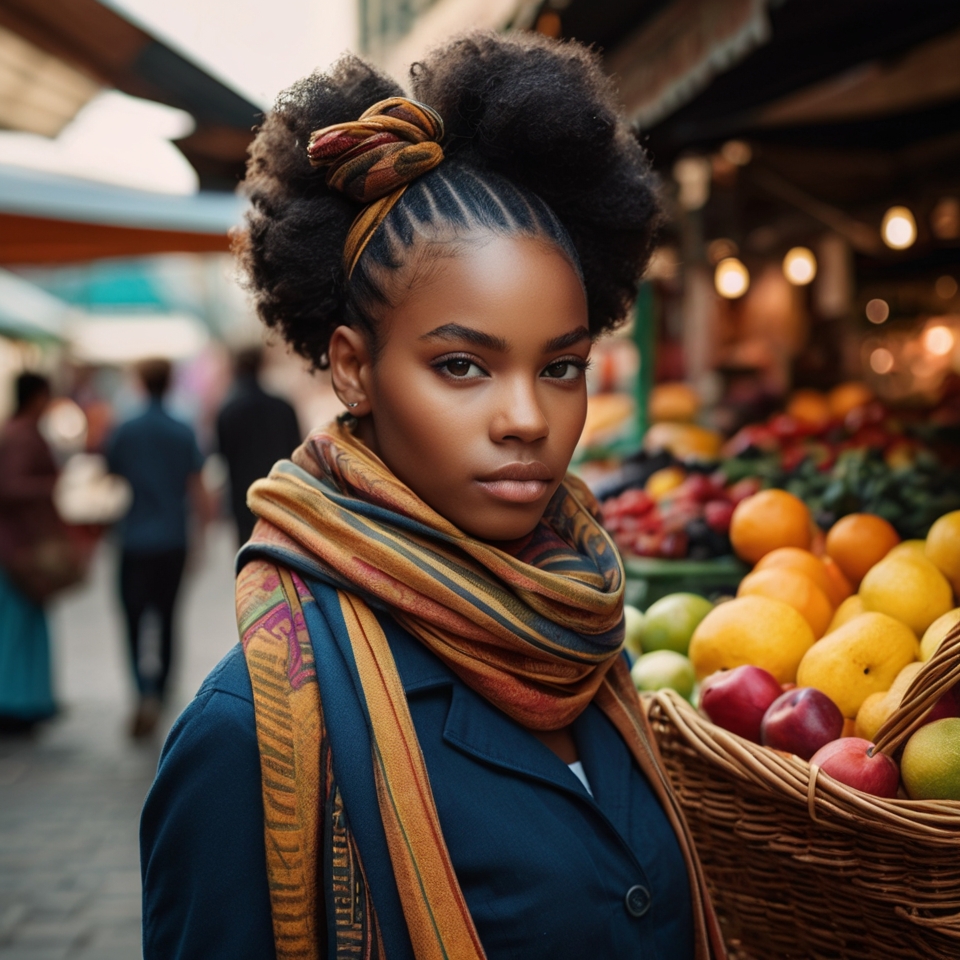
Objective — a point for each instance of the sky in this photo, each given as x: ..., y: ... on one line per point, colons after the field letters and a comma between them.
x: 258, y: 47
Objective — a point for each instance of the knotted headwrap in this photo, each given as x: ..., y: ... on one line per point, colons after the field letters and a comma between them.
x: 373, y: 159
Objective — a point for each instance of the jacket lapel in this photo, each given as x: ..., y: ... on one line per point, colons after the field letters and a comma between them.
x: 476, y: 728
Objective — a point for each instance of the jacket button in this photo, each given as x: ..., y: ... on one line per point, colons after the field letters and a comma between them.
x: 637, y: 900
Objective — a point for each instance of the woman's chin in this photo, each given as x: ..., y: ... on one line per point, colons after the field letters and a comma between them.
x: 503, y: 525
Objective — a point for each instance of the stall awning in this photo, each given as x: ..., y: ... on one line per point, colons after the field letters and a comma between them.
x: 98, y: 46
x: 29, y: 313
x: 49, y: 219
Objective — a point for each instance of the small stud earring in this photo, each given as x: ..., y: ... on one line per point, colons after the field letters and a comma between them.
x: 356, y: 403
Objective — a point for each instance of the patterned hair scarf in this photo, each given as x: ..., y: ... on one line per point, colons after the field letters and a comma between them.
x: 537, y: 631
x: 372, y: 160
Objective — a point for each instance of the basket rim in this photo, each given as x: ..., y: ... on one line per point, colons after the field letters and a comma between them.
x: 828, y: 801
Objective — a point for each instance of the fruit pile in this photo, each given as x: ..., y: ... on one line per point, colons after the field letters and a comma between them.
x: 820, y: 644
x: 869, y: 462
x: 677, y: 513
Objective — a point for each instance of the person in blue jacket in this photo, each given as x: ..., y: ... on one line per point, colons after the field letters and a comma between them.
x: 427, y: 744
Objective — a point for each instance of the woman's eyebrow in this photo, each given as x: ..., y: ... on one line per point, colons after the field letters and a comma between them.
x: 566, y: 340
x: 456, y: 331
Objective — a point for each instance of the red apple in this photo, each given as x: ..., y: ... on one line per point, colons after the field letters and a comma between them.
x: 947, y: 706
x: 848, y: 761
x: 717, y: 513
x: 697, y: 487
x: 737, y: 699
x: 801, y: 721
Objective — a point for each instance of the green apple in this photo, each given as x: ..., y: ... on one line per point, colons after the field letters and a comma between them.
x: 669, y: 623
x: 633, y: 629
x: 664, y: 668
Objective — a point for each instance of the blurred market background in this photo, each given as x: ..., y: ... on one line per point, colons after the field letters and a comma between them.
x: 799, y: 325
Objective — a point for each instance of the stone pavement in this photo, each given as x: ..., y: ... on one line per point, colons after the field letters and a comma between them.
x: 70, y: 796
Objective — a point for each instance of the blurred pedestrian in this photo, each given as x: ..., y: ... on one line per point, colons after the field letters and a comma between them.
x: 254, y: 430
x: 28, y: 520
x: 159, y: 457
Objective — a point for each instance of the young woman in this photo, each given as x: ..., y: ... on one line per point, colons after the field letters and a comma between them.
x: 427, y: 744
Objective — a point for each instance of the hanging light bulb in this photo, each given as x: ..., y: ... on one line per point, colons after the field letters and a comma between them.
x: 731, y: 278
x: 899, y: 228
x: 800, y: 266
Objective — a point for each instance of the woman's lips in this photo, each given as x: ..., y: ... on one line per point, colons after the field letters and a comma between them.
x: 518, y: 482
x: 515, y: 491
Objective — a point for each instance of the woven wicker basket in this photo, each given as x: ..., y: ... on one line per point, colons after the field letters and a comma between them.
x: 800, y: 865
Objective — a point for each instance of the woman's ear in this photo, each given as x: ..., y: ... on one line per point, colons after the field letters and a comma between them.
x: 350, y: 365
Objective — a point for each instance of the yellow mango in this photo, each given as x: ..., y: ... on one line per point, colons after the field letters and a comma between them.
x: 850, y: 608
x: 872, y: 715
x: 909, y: 588
x: 862, y: 657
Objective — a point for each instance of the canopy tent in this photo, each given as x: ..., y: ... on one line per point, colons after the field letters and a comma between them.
x: 74, y: 47
x: 52, y: 219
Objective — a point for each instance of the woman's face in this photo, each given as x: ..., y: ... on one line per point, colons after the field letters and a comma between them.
x: 478, y: 396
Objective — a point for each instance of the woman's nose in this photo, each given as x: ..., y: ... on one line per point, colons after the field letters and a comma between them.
x: 519, y: 415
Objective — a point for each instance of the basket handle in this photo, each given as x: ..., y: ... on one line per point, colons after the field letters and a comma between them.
x: 938, y: 675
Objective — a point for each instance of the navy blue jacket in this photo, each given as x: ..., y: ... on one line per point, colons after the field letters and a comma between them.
x: 548, y: 871
x: 156, y: 454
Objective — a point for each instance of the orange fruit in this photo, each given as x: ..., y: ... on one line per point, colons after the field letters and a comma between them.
x: 841, y: 588
x: 794, y: 588
x: 943, y: 547
x: 803, y: 561
x: 809, y: 406
x: 767, y: 520
x: 858, y: 541
x: 847, y: 397
x: 818, y: 541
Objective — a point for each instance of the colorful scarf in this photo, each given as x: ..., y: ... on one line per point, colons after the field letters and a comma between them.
x: 536, y: 630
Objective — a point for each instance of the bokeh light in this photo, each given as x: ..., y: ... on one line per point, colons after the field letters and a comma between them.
x: 732, y: 279
x: 938, y: 340
x: 800, y: 266
x: 899, y: 228
x: 881, y: 360
x: 877, y: 310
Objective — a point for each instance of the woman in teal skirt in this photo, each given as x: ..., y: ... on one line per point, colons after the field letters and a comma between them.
x: 27, y: 516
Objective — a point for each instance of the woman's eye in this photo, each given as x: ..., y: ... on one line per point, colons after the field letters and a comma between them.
x: 461, y: 368
x: 564, y: 370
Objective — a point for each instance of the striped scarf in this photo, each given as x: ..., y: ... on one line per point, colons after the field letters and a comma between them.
x: 536, y: 630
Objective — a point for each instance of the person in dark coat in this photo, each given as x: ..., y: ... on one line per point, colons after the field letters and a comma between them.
x: 159, y: 457
x: 254, y: 430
